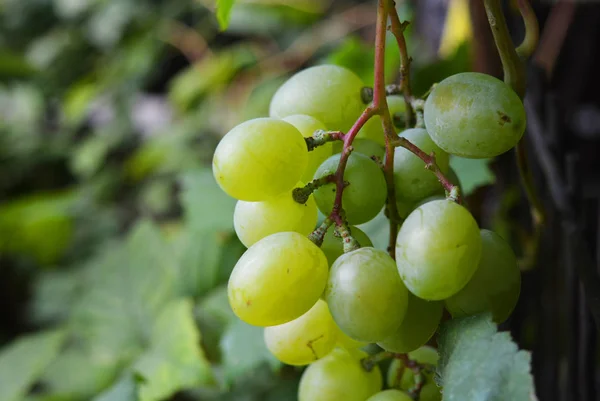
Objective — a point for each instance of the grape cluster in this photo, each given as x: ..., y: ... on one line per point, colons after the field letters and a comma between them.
x: 322, y: 298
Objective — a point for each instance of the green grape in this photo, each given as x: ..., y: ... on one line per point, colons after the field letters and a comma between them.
x: 398, y: 376
x: 367, y: 147
x: 406, y: 207
x: 438, y: 249
x: 365, y: 295
x: 373, y: 129
x: 329, y: 93
x: 363, y: 198
x: 430, y: 392
x: 474, y: 115
x: 339, y: 376
x: 420, y: 323
x: 259, y: 159
x: 307, y: 126
x: 413, y: 181
x: 277, y: 279
x: 256, y: 220
x: 303, y: 340
x: 333, y: 247
x: 391, y: 395
x: 496, y: 284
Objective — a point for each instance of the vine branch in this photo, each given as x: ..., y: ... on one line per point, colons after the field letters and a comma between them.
x: 397, y: 28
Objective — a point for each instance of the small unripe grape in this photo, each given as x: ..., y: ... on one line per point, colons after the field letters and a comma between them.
x: 404, y: 381
x: 303, y: 340
x: 420, y: 323
x: 307, y: 126
x: 277, y: 279
x: 365, y: 195
x: 259, y: 159
x: 339, y: 376
x: 474, y: 115
x: 333, y: 246
x: 438, y: 249
x: 412, y: 180
x: 496, y: 284
x: 329, y: 93
x: 365, y: 295
x: 255, y: 220
x: 373, y: 129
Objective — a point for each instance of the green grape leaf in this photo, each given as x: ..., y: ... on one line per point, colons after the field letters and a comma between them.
x: 478, y: 363
x: 124, y: 292
x: 207, y: 248
x: 175, y: 360
x: 472, y: 173
x: 54, y: 293
x: 24, y: 360
x: 224, y: 12
x: 123, y: 390
x: 243, y: 349
x: 38, y: 225
x: 213, y: 315
x: 87, y: 375
x: 206, y: 206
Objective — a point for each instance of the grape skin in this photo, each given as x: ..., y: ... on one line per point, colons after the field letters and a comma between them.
x: 303, y: 340
x: 307, y: 126
x: 333, y: 247
x: 364, y: 198
x: 496, y: 284
x: 339, y: 376
x: 329, y: 93
x: 391, y: 395
x: 259, y: 159
x: 256, y: 220
x: 420, y: 323
x: 412, y: 180
x: 438, y: 249
x: 474, y: 115
x: 277, y: 279
x: 343, y: 340
x: 365, y: 295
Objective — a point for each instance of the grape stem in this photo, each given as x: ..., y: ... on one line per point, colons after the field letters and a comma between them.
x: 321, y: 137
x: 386, y: 8
x: 417, y: 369
x: 301, y: 195
x: 430, y: 163
x: 369, y: 362
x: 397, y: 28
x: 318, y: 235
x: 338, y: 177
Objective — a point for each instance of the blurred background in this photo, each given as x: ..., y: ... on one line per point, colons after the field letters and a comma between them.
x: 116, y: 243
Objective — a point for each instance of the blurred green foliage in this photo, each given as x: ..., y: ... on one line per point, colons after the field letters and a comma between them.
x: 109, y: 113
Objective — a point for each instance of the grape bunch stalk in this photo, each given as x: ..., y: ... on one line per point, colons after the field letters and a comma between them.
x: 322, y: 292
